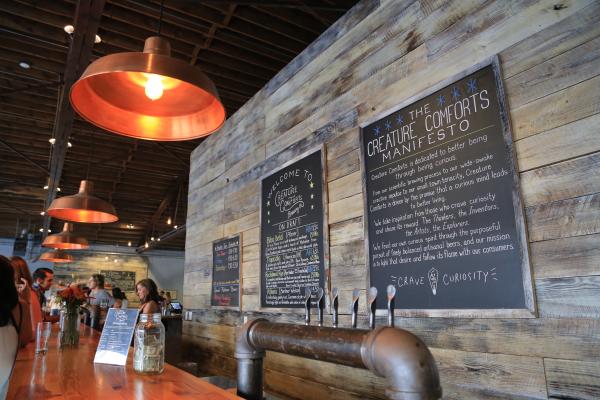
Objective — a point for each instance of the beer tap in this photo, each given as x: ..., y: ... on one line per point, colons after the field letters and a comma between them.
x: 334, y: 304
x: 372, y: 302
x: 391, y: 294
x: 307, y: 295
x: 320, y: 305
x: 354, y: 307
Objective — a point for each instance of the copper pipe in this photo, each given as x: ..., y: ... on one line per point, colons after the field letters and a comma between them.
x: 395, y: 354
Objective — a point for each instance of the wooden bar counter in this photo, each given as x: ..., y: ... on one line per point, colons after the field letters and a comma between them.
x: 70, y: 373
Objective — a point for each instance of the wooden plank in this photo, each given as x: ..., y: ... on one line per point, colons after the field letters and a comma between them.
x: 343, y: 165
x: 512, y: 376
x: 567, y: 69
x: 297, y: 388
x: 203, y: 231
x: 345, y: 186
x: 351, y: 253
x: 567, y: 141
x: 571, y: 217
x: 251, y: 236
x: 242, y: 224
x: 251, y: 252
x: 346, y: 231
x: 345, y: 209
x: 552, y: 41
x: 572, y: 379
x: 568, y: 257
x: 358, y: 381
x: 569, y: 297
x: 392, y: 85
x: 571, y: 104
x: 242, y: 202
x: 251, y: 269
x: 561, y: 181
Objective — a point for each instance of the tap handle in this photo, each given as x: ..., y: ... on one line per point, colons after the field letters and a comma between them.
x: 354, y: 307
x: 372, y: 301
x: 320, y: 305
x: 391, y: 294
x: 334, y: 304
x: 307, y: 295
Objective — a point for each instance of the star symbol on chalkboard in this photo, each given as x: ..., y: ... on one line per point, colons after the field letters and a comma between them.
x: 441, y: 100
x: 268, y: 203
x: 268, y: 221
x: 312, y: 207
x: 455, y: 93
x: 399, y: 120
x: 268, y: 212
x: 377, y: 131
x: 472, y: 85
x: 388, y: 125
x: 311, y: 185
x: 312, y: 196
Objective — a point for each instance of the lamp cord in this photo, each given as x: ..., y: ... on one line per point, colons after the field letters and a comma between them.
x: 162, y: 4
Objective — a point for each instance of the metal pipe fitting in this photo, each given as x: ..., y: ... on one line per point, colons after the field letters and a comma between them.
x: 395, y: 354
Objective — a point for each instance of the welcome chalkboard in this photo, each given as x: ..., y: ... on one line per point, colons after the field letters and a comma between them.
x: 124, y: 280
x: 444, y: 217
x: 226, y: 273
x: 291, y: 232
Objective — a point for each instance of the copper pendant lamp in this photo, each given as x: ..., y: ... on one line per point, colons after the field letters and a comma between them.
x: 83, y: 207
x: 56, y: 256
x: 148, y: 95
x: 66, y: 239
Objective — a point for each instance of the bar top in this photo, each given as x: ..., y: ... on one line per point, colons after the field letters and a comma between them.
x: 70, y: 373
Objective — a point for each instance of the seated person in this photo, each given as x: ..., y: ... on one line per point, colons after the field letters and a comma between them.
x: 120, y: 298
x: 148, y: 293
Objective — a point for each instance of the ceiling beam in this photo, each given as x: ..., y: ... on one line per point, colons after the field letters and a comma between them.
x: 169, y: 198
x: 86, y: 23
x: 38, y: 166
x: 175, y: 233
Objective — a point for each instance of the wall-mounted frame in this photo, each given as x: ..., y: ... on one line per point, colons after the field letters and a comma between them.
x: 294, y: 241
x: 226, y: 284
x: 443, y: 212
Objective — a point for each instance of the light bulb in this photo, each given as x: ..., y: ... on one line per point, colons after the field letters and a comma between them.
x: 169, y: 221
x: 146, y: 245
x: 154, y: 87
x: 129, y: 243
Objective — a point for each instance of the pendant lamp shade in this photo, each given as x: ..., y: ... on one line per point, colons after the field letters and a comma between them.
x: 66, y: 239
x: 148, y: 95
x: 56, y: 256
x: 83, y: 207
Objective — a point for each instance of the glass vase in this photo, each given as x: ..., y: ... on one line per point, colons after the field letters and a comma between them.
x: 69, y: 327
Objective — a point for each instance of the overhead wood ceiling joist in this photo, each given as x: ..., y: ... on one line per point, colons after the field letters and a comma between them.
x: 86, y: 23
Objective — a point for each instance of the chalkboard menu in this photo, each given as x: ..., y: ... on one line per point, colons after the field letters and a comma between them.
x: 124, y: 280
x: 445, y: 222
x: 113, y: 346
x: 291, y: 232
x: 226, y: 273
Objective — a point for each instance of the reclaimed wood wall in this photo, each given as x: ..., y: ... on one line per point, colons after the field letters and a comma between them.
x: 378, y: 55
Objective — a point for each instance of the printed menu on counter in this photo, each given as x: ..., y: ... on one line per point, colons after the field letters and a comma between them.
x: 445, y: 222
x: 226, y: 273
x: 291, y: 232
x: 116, y: 336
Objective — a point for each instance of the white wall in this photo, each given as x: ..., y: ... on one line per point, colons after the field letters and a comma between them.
x: 166, y: 269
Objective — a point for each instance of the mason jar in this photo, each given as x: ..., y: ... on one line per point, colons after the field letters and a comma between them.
x: 149, y: 345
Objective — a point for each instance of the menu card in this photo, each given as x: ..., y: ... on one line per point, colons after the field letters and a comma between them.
x: 116, y: 336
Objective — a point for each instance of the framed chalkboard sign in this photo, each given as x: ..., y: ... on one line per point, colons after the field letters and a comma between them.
x: 125, y: 280
x: 444, y: 218
x: 293, y: 237
x: 226, y: 275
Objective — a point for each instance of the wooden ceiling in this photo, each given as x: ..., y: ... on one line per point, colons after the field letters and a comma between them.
x: 239, y: 44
